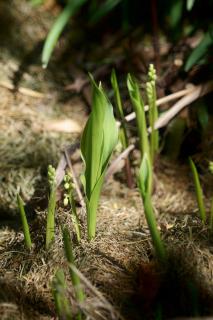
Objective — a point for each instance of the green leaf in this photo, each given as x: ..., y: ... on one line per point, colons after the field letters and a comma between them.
x: 70, y: 258
x: 199, y: 51
x: 24, y: 222
x: 97, y: 143
x: 175, y: 13
x: 138, y: 106
x: 103, y: 10
x: 145, y: 175
x: 57, y: 28
x: 62, y: 304
x: 190, y: 4
x: 198, y: 190
x: 144, y: 184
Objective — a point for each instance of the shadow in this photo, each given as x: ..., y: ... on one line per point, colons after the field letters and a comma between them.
x: 175, y: 289
x: 30, y: 303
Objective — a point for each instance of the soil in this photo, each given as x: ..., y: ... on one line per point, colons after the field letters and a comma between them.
x: 125, y: 280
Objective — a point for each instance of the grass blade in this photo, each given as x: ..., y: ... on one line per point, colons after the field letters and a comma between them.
x: 24, y: 222
x: 70, y: 258
x: 138, y: 106
x: 57, y: 28
x: 62, y: 304
x: 198, y: 190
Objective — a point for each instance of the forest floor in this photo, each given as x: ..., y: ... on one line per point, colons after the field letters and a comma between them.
x: 39, y: 118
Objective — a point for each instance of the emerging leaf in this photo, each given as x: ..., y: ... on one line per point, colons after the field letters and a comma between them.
x: 145, y: 176
x: 98, y: 141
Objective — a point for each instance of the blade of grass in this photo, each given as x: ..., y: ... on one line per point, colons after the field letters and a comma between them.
x: 138, y: 106
x: 79, y: 293
x: 198, y: 190
x: 24, y: 222
x: 103, y: 10
x: 62, y: 304
x: 123, y: 130
x: 57, y: 28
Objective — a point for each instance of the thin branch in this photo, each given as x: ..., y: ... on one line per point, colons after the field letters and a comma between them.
x: 163, y: 100
x: 22, y: 90
x: 198, y: 92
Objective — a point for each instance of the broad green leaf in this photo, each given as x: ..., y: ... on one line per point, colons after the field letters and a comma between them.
x: 57, y: 28
x: 97, y: 143
x: 199, y: 51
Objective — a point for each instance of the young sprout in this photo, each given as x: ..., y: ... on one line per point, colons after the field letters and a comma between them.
x: 153, y: 111
x: 198, y: 190
x: 79, y: 293
x: 24, y: 222
x: 99, y: 138
x: 50, y: 230
x: 144, y: 182
x: 69, y: 199
x: 123, y: 130
x: 138, y: 106
x: 59, y: 288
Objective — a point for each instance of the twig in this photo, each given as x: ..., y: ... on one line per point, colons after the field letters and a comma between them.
x: 75, y: 181
x: 198, y: 92
x: 163, y: 100
x: 22, y: 90
x: 97, y: 293
x: 60, y: 171
x: 113, y: 167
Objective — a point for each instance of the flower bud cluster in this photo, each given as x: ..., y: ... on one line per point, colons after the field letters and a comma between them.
x: 68, y: 186
x: 51, y: 176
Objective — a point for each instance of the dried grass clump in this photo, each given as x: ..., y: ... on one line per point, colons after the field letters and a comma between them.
x: 25, y: 179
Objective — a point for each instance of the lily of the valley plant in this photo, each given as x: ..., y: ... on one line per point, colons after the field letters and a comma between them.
x: 50, y: 230
x: 98, y: 141
x: 153, y: 111
x: 144, y: 182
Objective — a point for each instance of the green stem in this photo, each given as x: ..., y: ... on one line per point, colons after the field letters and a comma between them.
x: 198, y: 190
x: 25, y: 225
x: 70, y: 258
x: 152, y: 224
x: 50, y: 230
